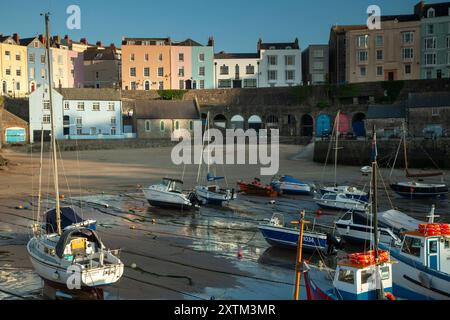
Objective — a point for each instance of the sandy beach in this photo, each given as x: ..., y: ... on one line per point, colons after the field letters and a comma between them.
x: 178, y: 255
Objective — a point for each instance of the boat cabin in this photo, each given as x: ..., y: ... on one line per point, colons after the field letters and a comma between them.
x: 432, y: 251
x: 173, y: 185
x: 355, y: 281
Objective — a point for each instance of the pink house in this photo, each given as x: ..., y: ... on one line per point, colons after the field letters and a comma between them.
x: 181, y: 65
x: 77, y: 65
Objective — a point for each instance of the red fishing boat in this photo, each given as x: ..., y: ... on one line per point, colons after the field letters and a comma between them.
x: 258, y: 189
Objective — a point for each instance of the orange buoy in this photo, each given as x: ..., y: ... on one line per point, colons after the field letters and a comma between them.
x: 390, y: 296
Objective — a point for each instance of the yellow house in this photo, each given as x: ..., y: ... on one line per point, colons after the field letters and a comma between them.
x: 13, y: 67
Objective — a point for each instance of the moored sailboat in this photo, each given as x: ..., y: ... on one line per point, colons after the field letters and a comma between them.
x: 77, y: 251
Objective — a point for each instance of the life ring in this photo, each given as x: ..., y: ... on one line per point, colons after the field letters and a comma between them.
x: 389, y: 296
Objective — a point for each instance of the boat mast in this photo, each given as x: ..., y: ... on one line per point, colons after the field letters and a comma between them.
x: 405, y: 149
x: 374, y: 207
x: 53, y: 128
x: 298, y: 264
x: 338, y: 117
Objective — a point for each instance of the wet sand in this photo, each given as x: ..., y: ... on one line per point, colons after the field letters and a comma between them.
x: 179, y: 255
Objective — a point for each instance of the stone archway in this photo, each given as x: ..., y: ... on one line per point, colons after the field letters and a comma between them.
x: 237, y: 122
x: 255, y: 122
x: 307, y: 126
x: 358, y: 124
x: 220, y: 121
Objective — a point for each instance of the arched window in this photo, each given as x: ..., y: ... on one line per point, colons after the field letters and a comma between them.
x: 148, y: 127
x: 177, y: 125
x: 162, y: 126
x: 431, y: 13
x: 191, y: 125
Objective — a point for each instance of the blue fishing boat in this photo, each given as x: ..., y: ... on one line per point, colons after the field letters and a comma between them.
x: 423, y: 268
x: 357, y: 276
x: 290, y: 185
x: 276, y: 233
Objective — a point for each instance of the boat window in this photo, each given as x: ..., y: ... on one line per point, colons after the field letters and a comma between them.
x: 385, y: 273
x: 366, y: 275
x: 447, y: 244
x: 432, y: 246
x: 412, y: 246
x: 347, y: 276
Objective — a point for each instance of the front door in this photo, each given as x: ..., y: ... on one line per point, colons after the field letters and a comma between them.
x: 433, y: 254
x: 391, y: 76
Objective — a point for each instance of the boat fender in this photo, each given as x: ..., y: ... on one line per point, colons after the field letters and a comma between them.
x: 272, y: 202
x: 390, y: 296
x: 153, y: 221
x: 319, y: 212
x: 133, y: 266
x: 240, y: 253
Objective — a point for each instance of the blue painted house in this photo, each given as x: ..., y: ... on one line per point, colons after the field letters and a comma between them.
x: 36, y: 60
x: 202, y: 65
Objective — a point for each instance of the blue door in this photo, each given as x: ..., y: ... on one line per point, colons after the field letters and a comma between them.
x: 359, y: 128
x: 15, y: 135
x: 433, y: 254
x: 323, y: 125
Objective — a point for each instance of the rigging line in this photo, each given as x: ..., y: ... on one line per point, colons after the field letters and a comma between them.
x: 79, y: 176
x: 64, y: 173
x: 396, y: 157
x: 40, y: 175
x: 328, y: 152
x: 385, y: 188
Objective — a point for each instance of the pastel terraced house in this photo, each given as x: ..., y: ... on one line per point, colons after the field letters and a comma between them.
x: 13, y: 67
x: 435, y: 44
x: 67, y: 65
x: 181, y: 65
x: 37, y: 62
x: 146, y: 64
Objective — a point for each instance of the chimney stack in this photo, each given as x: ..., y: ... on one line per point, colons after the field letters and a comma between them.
x: 42, y: 39
x: 67, y: 40
x: 99, y: 44
x: 211, y: 41
x: 16, y: 37
x: 84, y: 41
x: 259, y: 44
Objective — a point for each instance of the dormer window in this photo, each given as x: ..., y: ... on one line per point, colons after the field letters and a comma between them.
x: 431, y: 13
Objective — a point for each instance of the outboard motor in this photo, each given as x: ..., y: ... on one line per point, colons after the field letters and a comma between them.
x: 195, y: 201
x: 333, y: 243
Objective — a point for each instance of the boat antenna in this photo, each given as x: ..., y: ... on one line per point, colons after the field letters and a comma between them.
x: 432, y: 214
x: 53, y: 123
x: 374, y: 207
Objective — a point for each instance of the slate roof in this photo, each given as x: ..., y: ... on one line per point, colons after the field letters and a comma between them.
x: 4, y: 38
x: 166, y: 109
x: 224, y: 55
x: 395, y: 111
x: 188, y: 43
x: 279, y: 45
x: 440, y: 9
x: 429, y: 100
x: 99, y: 54
x: 401, y: 17
x: 105, y: 94
x: 26, y: 41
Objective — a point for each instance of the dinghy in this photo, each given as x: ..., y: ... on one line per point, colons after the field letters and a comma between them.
x: 339, y: 201
x: 168, y: 194
x: 256, y: 188
x: 290, y: 185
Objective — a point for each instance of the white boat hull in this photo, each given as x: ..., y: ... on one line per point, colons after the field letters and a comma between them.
x: 55, y: 271
x: 213, y: 197
x: 341, y: 205
x: 166, y: 199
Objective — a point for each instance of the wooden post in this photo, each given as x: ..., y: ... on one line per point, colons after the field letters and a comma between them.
x: 299, y: 256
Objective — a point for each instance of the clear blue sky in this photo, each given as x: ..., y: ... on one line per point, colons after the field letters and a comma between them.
x: 235, y: 24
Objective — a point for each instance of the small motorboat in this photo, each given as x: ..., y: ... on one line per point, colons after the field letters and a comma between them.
x: 168, y: 194
x: 412, y: 189
x: 349, y: 192
x: 276, y: 233
x: 290, y: 185
x: 357, y: 227
x: 256, y: 188
x: 69, y: 219
x: 213, y: 194
x: 366, y: 170
x: 339, y: 201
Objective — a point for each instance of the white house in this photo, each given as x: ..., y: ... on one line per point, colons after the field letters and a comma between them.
x: 81, y: 114
x: 236, y: 70
x: 281, y: 64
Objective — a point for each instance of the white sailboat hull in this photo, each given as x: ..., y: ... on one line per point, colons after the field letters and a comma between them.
x: 213, y: 197
x: 341, y: 205
x: 58, y: 270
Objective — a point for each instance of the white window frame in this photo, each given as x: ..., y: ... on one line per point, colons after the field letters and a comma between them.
x: 365, y: 54
x: 66, y: 105
x: 80, y: 106
x: 96, y: 106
